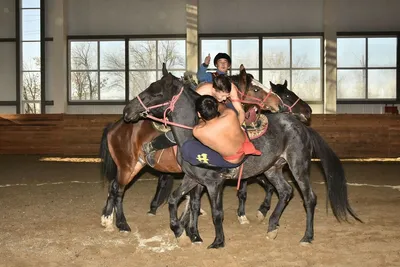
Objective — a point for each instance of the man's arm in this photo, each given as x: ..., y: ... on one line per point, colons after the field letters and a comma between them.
x: 203, y: 75
x: 238, y: 106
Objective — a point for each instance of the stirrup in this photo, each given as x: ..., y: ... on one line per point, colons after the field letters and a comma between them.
x: 150, y: 158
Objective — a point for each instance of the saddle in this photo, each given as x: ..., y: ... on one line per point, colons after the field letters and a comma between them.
x: 256, y: 124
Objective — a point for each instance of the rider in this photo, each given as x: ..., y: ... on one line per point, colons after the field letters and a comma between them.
x: 221, y: 89
x: 222, y: 61
x: 233, y: 144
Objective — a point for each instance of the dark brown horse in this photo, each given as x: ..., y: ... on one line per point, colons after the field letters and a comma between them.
x: 122, y: 154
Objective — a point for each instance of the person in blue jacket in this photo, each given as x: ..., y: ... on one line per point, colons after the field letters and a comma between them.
x: 222, y: 61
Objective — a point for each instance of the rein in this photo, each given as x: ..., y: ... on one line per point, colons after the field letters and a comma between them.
x: 171, y: 107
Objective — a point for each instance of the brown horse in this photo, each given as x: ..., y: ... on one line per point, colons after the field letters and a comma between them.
x: 122, y: 154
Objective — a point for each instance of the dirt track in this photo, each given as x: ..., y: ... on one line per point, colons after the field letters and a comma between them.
x: 50, y: 216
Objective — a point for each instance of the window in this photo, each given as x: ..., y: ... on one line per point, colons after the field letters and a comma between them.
x: 242, y: 51
x: 366, y: 68
x: 146, y: 58
x: 97, y: 68
x: 31, y: 55
x: 297, y: 60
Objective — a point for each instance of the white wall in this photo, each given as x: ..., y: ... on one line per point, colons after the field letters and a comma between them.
x: 7, y: 72
x: 126, y: 17
x: 7, y: 19
x: 260, y: 16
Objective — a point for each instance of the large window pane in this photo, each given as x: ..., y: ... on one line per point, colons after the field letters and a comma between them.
x: 112, y: 55
x: 142, y: 55
x: 276, y: 76
x: 31, y: 108
x: 351, y: 84
x: 84, y: 56
x: 31, y: 85
x: 213, y: 47
x: 30, y: 3
x: 139, y: 81
x: 307, y: 84
x: 31, y: 25
x: 382, y: 84
x: 173, y: 53
x: 351, y: 52
x: 112, y: 85
x: 382, y: 52
x: 245, y: 52
x: 276, y: 53
x: 31, y: 56
x: 84, y: 85
x: 306, y: 53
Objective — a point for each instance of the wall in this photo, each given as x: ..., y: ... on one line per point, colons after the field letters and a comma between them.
x: 350, y: 136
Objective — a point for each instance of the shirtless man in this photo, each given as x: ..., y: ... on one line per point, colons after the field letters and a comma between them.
x: 221, y: 89
x: 232, y: 143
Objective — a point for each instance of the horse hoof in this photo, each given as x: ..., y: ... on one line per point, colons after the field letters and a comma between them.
x: 260, y: 216
x: 216, y: 244
x: 107, y: 221
x: 183, y: 241
x: 124, y: 228
x: 272, y: 235
x: 202, y: 212
x: 305, y: 244
x: 243, y: 219
x: 151, y: 213
x: 196, y: 239
x: 109, y: 229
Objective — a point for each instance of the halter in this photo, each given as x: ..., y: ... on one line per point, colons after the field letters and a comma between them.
x: 171, y: 107
x: 292, y: 106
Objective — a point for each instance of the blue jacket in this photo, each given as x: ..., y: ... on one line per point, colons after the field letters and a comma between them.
x: 204, y: 76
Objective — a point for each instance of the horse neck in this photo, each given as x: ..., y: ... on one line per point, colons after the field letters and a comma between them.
x: 184, y: 114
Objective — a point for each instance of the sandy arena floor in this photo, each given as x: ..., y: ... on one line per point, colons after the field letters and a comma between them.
x: 50, y: 216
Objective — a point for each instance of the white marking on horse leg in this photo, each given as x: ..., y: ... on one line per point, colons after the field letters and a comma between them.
x: 260, y: 217
x: 272, y: 235
x: 243, y: 220
x: 108, y: 221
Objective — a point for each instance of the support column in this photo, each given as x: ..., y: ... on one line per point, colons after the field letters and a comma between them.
x: 330, y: 57
x: 192, y: 46
x: 58, y: 58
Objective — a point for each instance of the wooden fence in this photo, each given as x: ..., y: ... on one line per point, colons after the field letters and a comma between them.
x: 350, y: 136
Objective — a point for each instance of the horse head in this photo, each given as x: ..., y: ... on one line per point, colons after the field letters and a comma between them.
x: 254, y: 92
x: 294, y: 103
x: 156, y: 98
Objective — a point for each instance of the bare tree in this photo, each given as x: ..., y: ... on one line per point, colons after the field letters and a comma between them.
x: 31, y: 87
x: 84, y: 81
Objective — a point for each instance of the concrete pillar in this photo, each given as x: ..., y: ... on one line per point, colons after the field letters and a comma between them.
x: 192, y: 46
x: 330, y: 57
x: 57, y: 90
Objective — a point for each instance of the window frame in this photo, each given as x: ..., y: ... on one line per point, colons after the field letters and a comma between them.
x: 98, y: 39
x: 260, y: 37
x: 366, y: 35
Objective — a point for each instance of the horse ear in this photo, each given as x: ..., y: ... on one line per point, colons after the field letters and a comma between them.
x: 285, y: 84
x: 272, y: 84
x: 242, y: 79
x: 164, y: 69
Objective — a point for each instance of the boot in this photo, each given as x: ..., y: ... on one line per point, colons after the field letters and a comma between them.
x: 150, y: 153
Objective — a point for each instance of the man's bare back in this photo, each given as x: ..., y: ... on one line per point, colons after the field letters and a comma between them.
x: 230, y: 138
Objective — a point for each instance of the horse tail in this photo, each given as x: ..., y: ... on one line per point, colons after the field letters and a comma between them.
x: 108, y: 166
x: 335, y: 177
x: 164, y: 188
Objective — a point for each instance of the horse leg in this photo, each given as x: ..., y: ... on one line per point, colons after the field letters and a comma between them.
x: 242, y: 196
x: 301, y: 173
x: 107, y: 214
x: 191, y: 226
x: 275, y: 176
x: 215, y: 189
x: 164, y: 186
x: 186, y: 185
x: 124, y: 178
x: 266, y: 204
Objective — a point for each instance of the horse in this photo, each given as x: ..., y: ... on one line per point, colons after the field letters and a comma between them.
x: 296, y: 106
x: 287, y: 141
x: 121, y: 153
